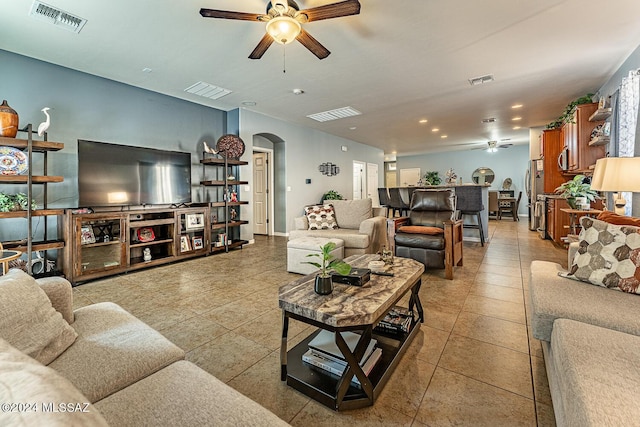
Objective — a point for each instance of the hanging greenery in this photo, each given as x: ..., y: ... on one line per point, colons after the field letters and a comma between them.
x: 567, y: 114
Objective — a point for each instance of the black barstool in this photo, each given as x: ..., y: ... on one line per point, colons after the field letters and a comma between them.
x: 383, y: 196
x: 470, y: 203
x: 396, y: 202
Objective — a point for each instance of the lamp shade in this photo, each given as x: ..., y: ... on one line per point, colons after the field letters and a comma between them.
x: 283, y: 29
x: 617, y: 174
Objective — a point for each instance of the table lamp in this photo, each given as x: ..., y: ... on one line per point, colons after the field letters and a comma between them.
x: 617, y: 174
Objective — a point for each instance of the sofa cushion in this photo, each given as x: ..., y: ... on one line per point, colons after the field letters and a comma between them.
x: 351, y: 213
x: 321, y: 217
x: 26, y: 382
x: 608, y: 255
x: 184, y: 395
x: 113, y: 350
x: 554, y: 297
x: 28, y: 320
x: 422, y: 241
x: 598, y: 374
x: 419, y: 229
x: 351, y: 238
x: 613, y: 218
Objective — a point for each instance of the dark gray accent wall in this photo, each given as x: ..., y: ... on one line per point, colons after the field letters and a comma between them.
x: 89, y: 107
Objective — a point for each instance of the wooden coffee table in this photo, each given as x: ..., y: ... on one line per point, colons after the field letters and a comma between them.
x: 349, y: 308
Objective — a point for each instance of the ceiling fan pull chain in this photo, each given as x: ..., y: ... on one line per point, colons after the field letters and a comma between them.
x: 284, y: 58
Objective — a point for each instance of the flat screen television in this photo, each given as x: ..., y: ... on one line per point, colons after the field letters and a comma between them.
x: 119, y: 175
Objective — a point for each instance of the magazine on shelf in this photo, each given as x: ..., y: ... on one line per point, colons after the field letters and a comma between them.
x: 337, y: 368
x: 397, y: 320
x: 325, y: 344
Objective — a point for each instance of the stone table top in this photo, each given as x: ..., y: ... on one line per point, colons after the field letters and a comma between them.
x: 351, y: 305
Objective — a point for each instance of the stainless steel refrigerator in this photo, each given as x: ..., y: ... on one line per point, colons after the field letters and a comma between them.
x: 534, y: 179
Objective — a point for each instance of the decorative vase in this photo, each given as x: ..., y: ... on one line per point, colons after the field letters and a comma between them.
x: 8, y: 121
x: 323, y: 285
x: 571, y: 201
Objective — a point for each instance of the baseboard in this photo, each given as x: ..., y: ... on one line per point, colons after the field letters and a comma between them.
x: 279, y: 234
x: 251, y: 241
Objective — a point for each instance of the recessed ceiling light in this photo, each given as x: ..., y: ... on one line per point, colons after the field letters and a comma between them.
x: 481, y: 80
x: 249, y: 103
x: 489, y: 120
x: 423, y: 121
x: 353, y: 128
x: 515, y: 119
x: 298, y: 91
x: 435, y: 130
x: 516, y: 127
x: 443, y: 136
x: 147, y: 70
x: 516, y: 106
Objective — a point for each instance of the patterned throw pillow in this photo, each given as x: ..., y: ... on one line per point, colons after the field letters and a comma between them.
x: 608, y: 256
x: 321, y: 217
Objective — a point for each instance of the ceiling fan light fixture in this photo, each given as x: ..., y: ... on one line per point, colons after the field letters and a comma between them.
x: 493, y: 146
x: 283, y: 29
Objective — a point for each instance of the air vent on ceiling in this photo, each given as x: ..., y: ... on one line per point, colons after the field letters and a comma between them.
x: 338, y: 113
x: 481, y: 80
x: 60, y: 18
x: 489, y: 120
x: 207, y: 90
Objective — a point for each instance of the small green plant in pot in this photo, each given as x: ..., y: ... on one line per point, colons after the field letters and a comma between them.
x: 331, y: 195
x: 14, y: 202
x: 327, y: 264
x: 575, y: 188
x: 432, y: 178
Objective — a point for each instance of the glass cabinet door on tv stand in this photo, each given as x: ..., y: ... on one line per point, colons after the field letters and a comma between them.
x: 100, y: 244
x: 223, y: 191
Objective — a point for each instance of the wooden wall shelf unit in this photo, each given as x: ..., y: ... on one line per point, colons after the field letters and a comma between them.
x: 225, y: 214
x: 28, y: 245
x: 107, y: 243
x: 577, y: 135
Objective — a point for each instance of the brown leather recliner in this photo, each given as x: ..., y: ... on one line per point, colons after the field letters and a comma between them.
x: 430, y: 234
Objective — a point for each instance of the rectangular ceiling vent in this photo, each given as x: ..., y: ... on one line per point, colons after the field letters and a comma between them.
x: 338, y: 113
x: 55, y: 16
x: 207, y: 90
x: 481, y: 80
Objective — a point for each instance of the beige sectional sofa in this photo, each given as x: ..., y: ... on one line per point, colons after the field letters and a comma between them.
x: 362, y: 228
x: 112, y: 367
x: 591, y: 345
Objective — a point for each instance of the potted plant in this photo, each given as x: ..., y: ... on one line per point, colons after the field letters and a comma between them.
x: 432, y: 178
x: 328, y: 263
x: 331, y: 195
x: 575, y: 188
x: 14, y: 202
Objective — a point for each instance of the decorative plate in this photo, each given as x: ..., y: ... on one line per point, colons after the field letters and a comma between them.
x: 231, y: 146
x: 596, y: 131
x: 13, y: 161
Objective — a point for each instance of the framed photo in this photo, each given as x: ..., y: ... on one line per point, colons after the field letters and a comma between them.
x: 87, y: 236
x: 606, y: 129
x: 185, y: 244
x: 194, y: 221
x: 197, y: 243
x: 602, y: 102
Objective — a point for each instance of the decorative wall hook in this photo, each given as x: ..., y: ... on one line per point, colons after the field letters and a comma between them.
x: 329, y: 169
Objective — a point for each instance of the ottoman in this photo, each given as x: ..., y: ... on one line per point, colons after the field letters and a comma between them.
x: 298, y: 249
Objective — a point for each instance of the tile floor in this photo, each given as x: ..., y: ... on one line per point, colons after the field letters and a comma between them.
x: 472, y: 363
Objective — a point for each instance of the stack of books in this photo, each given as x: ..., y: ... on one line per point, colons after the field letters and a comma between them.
x: 323, y: 353
x: 397, y: 321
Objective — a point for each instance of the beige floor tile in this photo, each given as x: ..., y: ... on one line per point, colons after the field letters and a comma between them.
x: 407, y: 386
x: 535, y: 346
x: 498, y: 366
x: 193, y: 332
x: 455, y: 400
x: 497, y: 292
x: 498, y: 280
x: 237, y: 313
x: 317, y: 415
x: 540, y: 381
x: 511, y: 271
x: 427, y: 345
x: 495, y: 308
x: 493, y: 331
x: 439, y: 317
x: 271, y: 336
x: 160, y: 318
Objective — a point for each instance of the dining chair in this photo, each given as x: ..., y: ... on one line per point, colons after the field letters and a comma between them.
x: 383, y: 196
x: 396, y: 202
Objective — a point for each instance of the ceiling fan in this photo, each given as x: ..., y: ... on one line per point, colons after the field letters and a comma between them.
x: 284, y: 23
x: 494, y: 145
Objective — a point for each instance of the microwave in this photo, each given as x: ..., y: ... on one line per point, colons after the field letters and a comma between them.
x: 563, y: 159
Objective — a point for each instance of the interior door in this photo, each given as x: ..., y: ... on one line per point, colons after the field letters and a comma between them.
x: 372, y: 183
x: 260, y: 193
x: 359, y: 185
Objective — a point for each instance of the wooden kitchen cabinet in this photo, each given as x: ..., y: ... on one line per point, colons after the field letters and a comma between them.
x: 552, y: 145
x: 576, y: 136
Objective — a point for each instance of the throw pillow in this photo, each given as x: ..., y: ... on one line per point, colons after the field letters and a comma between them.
x: 321, y: 217
x: 351, y: 213
x: 29, y: 389
x: 420, y: 229
x: 28, y: 320
x: 608, y: 256
x: 614, y: 218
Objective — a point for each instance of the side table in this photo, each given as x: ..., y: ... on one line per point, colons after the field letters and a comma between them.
x: 576, y: 214
x: 6, y: 256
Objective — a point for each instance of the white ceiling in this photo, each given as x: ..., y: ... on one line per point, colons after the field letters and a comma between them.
x: 397, y: 61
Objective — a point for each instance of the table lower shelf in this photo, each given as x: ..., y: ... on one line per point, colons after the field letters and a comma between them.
x: 321, y: 385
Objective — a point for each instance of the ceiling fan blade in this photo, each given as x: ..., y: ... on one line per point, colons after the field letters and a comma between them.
x: 335, y: 10
x: 227, y: 14
x: 313, y: 45
x: 262, y: 47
